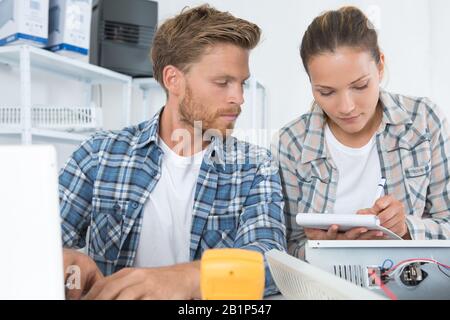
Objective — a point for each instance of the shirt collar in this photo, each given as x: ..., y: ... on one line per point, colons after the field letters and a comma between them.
x: 150, y: 131
x: 150, y: 134
x: 393, y: 111
x: 314, y: 143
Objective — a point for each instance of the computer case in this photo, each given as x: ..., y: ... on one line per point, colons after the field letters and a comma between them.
x: 121, y: 35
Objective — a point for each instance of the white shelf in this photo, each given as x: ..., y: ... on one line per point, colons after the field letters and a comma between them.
x: 146, y: 83
x: 58, y: 122
x: 10, y: 130
x: 60, y: 135
x: 78, y: 137
x: 64, y: 66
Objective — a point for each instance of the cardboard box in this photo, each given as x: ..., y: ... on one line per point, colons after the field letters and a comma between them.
x: 24, y: 22
x: 69, y: 27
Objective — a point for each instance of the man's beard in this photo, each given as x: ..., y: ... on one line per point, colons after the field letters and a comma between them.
x: 194, y: 114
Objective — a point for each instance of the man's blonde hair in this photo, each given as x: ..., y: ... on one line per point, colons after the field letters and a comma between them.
x: 181, y: 40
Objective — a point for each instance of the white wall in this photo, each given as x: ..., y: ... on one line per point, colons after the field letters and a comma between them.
x: 405, y: 36
x: 413, y: 35
x: 440, y: 54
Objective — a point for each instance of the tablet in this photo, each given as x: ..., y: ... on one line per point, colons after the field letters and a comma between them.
x: 344, y: 221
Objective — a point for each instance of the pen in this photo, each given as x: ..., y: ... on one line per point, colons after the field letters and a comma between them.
x: 380, y: 189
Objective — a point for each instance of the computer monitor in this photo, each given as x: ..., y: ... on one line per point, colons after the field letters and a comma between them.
x: 30, y: 229
x: 408, y: 269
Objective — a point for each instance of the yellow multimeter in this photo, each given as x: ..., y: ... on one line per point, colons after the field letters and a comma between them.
x: 232, y: 274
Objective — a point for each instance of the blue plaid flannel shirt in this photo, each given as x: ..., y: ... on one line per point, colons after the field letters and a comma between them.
x: 105, y: 183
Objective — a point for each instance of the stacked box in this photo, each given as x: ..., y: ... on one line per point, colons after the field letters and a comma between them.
x: 24, y: 22
x: 69, y: 27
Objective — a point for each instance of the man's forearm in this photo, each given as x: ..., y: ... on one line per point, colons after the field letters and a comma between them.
x: 195, y: 278
x: 192, y: 275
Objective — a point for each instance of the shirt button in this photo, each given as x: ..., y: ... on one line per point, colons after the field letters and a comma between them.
x: 135, y: 205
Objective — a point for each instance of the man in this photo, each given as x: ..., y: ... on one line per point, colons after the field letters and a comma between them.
x: 156, y: 195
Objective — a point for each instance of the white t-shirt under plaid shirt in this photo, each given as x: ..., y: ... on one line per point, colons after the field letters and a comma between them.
x: 359, y: 174
x: 167, y: 220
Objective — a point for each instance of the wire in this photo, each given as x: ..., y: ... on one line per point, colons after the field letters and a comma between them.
x: 446, y: 274
x: 380, y: 283
x: 384, y: 262
x: 409, y: 261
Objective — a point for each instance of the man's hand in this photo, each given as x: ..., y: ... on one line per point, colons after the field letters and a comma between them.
x: 181, y: 282
x: 391, y: 213
x: 85, y: 279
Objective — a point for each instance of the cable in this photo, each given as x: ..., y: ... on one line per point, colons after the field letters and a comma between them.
x: 410, y: 261
x: 439, y: 267
x: 384, y: 262
x: 380, y: 283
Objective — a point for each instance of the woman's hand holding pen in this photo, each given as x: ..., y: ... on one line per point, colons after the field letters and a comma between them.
x: 391, y: 213
x: 389, y: 210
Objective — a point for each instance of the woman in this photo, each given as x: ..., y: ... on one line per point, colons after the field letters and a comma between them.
x: 333, y: 157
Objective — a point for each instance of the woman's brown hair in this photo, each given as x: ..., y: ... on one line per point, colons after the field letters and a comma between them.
x: 346, y: 27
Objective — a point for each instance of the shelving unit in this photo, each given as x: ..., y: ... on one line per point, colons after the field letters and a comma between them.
x: 146, y: 85
x: 253, y: 126
x: 53, y: 121
x: 260, y: 116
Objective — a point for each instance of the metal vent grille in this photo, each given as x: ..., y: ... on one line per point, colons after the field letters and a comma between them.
x: 353, y: 273
x: 127, y: 33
